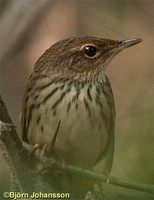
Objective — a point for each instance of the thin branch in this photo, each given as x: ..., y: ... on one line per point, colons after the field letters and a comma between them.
x: 118, y: 181
x: 52, y: 144
x: 17, y: 157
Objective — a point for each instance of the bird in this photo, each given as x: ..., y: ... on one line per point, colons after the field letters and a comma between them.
x: 69, y: 86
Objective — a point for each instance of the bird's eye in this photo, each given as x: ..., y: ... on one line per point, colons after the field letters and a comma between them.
x: 90, y: 51
x: 121, y: 42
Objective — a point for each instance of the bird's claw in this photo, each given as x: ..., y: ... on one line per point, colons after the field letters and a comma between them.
x: 6, y: 126
x: 33, y: 150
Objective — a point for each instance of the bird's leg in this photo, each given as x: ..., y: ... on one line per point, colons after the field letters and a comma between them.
x: 48, y: 150
x: 6, y: 126
x: 43, y: 151
x: 108, y: 159
x: 34, y: 148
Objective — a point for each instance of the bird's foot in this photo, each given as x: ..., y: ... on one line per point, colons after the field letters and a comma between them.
x: 40, y: 152
x: 33, y: 150
x: 6, y: 126
x: 44, y: 150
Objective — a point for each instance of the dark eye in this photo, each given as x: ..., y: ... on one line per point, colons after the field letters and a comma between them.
x: 121, y: 42
x: 90, y: 51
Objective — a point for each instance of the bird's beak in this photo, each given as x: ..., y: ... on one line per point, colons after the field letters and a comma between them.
x: 120, y: 45
x: 128, y: 43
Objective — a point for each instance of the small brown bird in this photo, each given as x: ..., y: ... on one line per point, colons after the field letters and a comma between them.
x: 68, y: 84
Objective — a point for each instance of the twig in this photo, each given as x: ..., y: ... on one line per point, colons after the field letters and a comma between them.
x: 14, y: 181
x: 52, y: 144
x: 17, y: 158
x: 118, y: 181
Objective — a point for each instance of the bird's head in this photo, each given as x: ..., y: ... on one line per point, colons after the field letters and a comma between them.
x: 81, y: 56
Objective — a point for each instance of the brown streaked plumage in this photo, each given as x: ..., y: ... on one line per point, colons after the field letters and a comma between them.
x: 68, y: 84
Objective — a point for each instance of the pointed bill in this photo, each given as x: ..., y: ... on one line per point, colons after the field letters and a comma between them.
x: 128, y: 42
